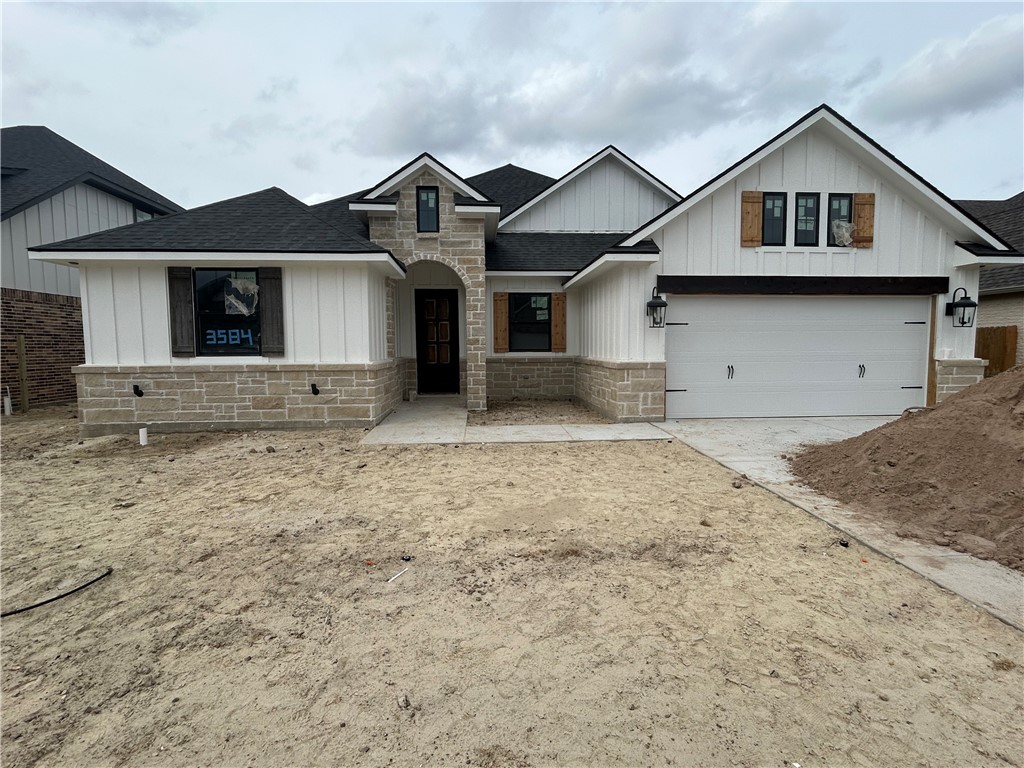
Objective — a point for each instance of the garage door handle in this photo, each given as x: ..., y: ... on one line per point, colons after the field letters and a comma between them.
x: 730, y: 371
x: 863, y: 370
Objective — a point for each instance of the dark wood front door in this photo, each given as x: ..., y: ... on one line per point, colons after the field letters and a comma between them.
x: 437, y: 341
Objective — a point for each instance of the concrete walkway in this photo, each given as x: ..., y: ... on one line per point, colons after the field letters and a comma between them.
x: 752, y: 447
x: 755, y: 447
x: 442, y: 419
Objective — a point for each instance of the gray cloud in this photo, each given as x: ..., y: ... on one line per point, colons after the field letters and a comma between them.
x: 278, y: 89
x: 950, y: 78
x: 149, y: 23
x: 305, y: 161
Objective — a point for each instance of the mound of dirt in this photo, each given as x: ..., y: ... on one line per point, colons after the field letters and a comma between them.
x: 953, y: 475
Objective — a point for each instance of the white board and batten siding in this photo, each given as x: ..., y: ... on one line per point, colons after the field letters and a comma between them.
x: 608, y: 197
x: 78, y: 210
x: 613, y: 320
x: 332, y: 314
x: 737, y: 356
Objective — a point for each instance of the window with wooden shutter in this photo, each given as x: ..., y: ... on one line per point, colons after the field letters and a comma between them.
x: 750, y: 219
x: 272, y: 311
x: 558, y: 322
x: 863, y: 219
x: 179, y: 289
x: 499, y: 319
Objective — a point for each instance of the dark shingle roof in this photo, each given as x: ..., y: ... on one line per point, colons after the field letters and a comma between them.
x: 1006, y: 219
x: 337, y: 213
x: 270, y: 221
x: 38, y: 163
x: 549, y: 251
x: 510, y: 186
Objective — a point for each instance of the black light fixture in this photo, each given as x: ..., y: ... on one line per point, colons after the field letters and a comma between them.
x: 961, y: 310
x: 656, y: 309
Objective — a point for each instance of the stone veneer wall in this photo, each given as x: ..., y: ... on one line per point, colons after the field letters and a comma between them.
x: 953, y: 375
x: 460, y: 246
x: 52, y: 326
x: 531, y: 378
x: 234, y: 397
x: 623, y: 391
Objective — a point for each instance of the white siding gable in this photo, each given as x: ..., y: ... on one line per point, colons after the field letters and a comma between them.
x: 78, y: 210
x: 607, y: 197
x: 912, y: 236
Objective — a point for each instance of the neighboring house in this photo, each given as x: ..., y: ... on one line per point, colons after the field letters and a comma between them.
x: 52, y: 190
x: 1001, y: 301
x: 810, y: 278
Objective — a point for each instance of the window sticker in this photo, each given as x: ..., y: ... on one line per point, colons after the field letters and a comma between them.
x: 241, y: 294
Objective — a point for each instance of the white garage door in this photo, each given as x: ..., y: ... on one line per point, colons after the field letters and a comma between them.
x: 730, y: 356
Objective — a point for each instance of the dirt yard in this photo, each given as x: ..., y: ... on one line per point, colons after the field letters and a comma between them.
x: 585, y: 604
x: 952, y: 475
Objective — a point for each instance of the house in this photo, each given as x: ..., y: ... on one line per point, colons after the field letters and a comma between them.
x: 52, y: 190
x: 1001, y: 289
x: 812, y: 277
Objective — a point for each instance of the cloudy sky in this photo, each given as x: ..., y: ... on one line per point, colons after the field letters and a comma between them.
x: 207, y: 101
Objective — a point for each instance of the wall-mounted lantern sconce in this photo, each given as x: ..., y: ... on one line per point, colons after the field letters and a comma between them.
x: 656, y: 309
x: 314, y: 389
x: 137, y: 390
x: 961, y: 310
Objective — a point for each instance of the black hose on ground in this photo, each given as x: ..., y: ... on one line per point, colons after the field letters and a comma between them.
x: 110, y: 570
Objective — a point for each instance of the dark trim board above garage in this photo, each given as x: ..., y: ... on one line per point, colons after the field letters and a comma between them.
x: 783, y: 285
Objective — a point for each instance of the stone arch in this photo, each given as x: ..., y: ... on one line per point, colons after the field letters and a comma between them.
x: 451, y: 263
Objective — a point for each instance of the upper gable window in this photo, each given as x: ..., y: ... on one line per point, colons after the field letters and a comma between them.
x: 806, y: 218
x: 773, y: 222
x: 840, y: 212
x: 427, y: 219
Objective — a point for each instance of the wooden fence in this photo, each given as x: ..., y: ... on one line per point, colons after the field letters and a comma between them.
x: 997, y: 345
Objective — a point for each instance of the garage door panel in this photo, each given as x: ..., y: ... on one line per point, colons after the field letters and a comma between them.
x: 795, y: 356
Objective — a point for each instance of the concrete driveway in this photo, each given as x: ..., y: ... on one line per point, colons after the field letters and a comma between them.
x: 755, y: 448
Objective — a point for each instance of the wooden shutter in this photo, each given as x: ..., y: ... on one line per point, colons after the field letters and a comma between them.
x: 271, y: 311
x: 183, y: 330
x: 750, y: 219
x: 499, y: 320
x: 863, y: 219
x: 558, y: 322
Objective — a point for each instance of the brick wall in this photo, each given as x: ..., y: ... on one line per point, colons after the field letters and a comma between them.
x: 1004, y: 309
x: 229, y: 397
x: 52, y: 326
x: 531, y: 378
x: 622, y: 391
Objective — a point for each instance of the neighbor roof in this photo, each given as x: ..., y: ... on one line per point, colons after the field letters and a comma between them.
x: 38, y: 163
x: 551, y: 251
x: 269, y: 221
x: 1006, y: 219
x: 511, y: 186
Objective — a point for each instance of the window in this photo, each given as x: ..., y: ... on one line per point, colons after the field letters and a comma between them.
x: 141, y: 215
x: 773, y: 222
x: 529, y: 322
x: 840, y: 209
x: 426, y: 209
x: 227, y: 311
x: 806, y: 218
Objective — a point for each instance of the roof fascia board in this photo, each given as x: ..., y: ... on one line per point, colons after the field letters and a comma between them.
x: 478, y: 211
x: 607, y: 261
x: 192, y: 258
x: 397, y: 179
x: 997, y: 291
x: 527, y: 273
x: 94, y: 181
x: 583, y: 167
x: 374, y: 207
